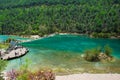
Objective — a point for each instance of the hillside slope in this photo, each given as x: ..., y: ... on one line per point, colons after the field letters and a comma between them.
x: 45, y: 17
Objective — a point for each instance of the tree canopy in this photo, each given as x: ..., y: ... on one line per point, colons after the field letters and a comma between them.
x: 49, y: 16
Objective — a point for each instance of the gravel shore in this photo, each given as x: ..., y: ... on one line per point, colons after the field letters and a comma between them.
x: 89, y: 77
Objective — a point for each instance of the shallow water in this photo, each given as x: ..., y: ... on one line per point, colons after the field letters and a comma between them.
x: 5, y: 37
x: 62, y: 53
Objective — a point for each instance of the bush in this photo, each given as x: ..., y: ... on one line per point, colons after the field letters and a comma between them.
x: 42, y: 75
x: 27, y: 75
x: 107, y: 50
x: 92, y: 55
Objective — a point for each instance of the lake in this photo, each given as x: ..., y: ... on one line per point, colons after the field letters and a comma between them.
x: 62, y: 53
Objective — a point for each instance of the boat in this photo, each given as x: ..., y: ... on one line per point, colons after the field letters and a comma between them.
x: 14, y: 51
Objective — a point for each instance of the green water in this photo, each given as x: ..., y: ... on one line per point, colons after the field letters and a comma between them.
x: 62, y: 53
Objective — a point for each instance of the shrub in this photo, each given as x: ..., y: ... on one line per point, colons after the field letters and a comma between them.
x: 42, y: 75
x: 92, y: 55
x: 27, y: 75
x: 107, y: 50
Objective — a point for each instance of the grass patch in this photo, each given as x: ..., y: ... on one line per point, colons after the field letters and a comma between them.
x: 4, y: 45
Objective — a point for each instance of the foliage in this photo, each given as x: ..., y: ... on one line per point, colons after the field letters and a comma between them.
x: 102, y: 35
x: 92, y: 55
x: 42, y: 75
x: 25, y: 65
x: 9, y: 40
x: 96, y: 54
x: 1, y: 78
x: 39, y: 75
x: 3, y: 64
x: 107, y: 50
x: 48, y: 16
x: 25, y: 74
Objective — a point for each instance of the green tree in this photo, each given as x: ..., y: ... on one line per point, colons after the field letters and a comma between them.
x: 45, y: 17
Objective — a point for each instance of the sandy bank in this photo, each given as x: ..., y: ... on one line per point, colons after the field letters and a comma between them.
x: 89, y: 77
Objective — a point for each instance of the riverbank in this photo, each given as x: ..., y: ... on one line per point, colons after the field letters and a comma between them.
x: 50, y: 35
x: 36, y: 37
x: 86, y: 76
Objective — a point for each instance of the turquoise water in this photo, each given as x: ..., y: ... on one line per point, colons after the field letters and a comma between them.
x: 73, y: 43
x: 5, y: 37
x: 62, y: 53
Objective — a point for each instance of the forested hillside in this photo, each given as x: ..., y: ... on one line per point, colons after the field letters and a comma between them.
x: 49, y: 16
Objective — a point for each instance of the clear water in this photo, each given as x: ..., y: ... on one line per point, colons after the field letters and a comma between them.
x: 62, y: 53
x: 5, y: 37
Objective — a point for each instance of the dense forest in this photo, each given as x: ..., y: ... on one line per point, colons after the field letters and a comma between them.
x: 24, y: 17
